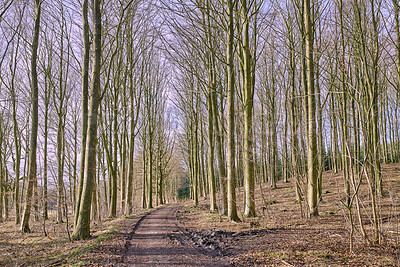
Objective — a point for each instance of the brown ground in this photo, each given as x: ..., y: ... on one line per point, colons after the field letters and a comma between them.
x: 105, y: 247
x: 279, y: 236
x: 158, y: 241
x: 191, y: 236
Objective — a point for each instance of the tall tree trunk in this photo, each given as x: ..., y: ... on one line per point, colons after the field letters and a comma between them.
x: 45, y: 153
x: 144, y: 178
x: 248, y: 93
x: 397, y: 19
x: 34, y: 123
x: 129, y: 192
x: 6, y: 198
x: 312, y: 156
x: 114, y: 161
x: 211, y: 174
x: 210, y: 107
x: 85, y: 97
x: 295, y: 156
x: 285, y: 154
x: 232, y: 210
x: 60, y: 134
x: 196, y: 158
x: 82, y: 227
x: 17, y: 167
x: 2, y: 171
x: 75, y: 160
x: 60, y: 170
x: 334, y: 135
x: 220, y: 157
x: 320, y: 139
x: 123, y: 153
x: 150, y: 171
x: 203, y: 175
x: 397, y: 42
x: 343, y: 117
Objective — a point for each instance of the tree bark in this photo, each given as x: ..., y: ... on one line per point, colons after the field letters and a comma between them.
x: 397, y: 20
x: 82, y: 227
x: 312, y: 156
x: 34, y: 123
x: 232, y: 210
x: 211, y: 174
x: 85, y: 93
x: 248, y: 94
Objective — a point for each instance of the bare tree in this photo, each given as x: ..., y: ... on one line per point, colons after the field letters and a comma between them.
x: 82, y: 226
x: 34, y: 122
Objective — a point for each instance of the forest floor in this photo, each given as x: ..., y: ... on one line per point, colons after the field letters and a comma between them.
x: 280, y: 236
x: 182, y: 234
x: 106, y: 247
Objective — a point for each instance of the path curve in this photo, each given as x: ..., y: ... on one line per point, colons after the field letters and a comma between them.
x: 151, y: 244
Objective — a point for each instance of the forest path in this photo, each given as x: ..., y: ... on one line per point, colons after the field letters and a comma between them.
x: 156, y: 240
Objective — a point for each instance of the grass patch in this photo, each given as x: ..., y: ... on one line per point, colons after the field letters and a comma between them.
x: 329, y: 212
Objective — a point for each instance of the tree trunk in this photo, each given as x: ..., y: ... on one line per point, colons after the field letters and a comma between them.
x: 82, y: 227
x: 210, y: 107
x: 248, y: 93
x: 45, y: 153
x: 60, y: 178
x: 17, y: 167
x: 144, y: 187
x: 60, y: 129
x: 123, y: 153
x: 85, y: 96
x: 129, y: 192
x: 114, y: 161
x: 211, y: 174
x: 312, y: 156
x: 295, y: 156
x: 343, y: 117
x: 34, y: 123
x: 150, y: 172
x: 232, y: 210
x: 397, y: 19
x: 221, y: 159
x: 2, y: 172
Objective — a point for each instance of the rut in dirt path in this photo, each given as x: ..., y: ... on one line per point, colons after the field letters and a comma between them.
x: 151, y: 244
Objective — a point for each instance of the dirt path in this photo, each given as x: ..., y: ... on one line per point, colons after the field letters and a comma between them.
x: 158, y: 241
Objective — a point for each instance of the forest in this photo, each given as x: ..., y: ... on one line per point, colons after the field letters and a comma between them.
x: 111, y: 108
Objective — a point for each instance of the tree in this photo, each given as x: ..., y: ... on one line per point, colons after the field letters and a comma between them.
x: 248, y: 98
x: 135, y: 92
x: 85, y: 93
x: 16, y: 128
x: 397, y: 29
x: 211, y: 95
x: 232, y: 210
x: 312, y: 187
x: 82, y: 226
x: 34, y: 122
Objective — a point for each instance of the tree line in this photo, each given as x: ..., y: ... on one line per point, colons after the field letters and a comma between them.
x: 128, y: 100
x: 281, y: 90
x: 85, y: 126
